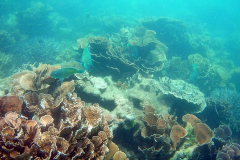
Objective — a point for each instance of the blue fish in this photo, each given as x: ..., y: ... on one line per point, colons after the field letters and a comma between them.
x: 86, y: 59
x: 132, y: 50
x: 64, y: 73
x: 194, y: 75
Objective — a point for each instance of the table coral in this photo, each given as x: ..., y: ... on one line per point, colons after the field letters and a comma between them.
x: 183, y: 92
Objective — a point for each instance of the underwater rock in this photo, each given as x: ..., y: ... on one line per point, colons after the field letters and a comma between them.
x: 188, y: 95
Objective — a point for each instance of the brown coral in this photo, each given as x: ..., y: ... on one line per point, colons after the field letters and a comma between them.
x: 10, y: 103
x: 119, y: 155
x: 203, y: 133
x: 177, y: 132
x: 191, y: 119
x: 67, y: 87
x: 150, y: 118
x: 113, y: 148
x: 36, y: 80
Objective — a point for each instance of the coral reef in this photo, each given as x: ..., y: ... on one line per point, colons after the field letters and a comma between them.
x: 37, y: 80
x: 81, y: 132
x: 224, y: 105
x: 35, y: 20
x: 6, y: 40
x: 10, y: 103
x: 189, y: 97
x: 177, y: 35
x: 36, y: 50
x: 203, y: 64
x: 162, y: 137
x: 117, y: 59
x: 6, y: 68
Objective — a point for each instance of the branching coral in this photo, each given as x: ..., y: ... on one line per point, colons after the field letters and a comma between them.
x: 6, y: 40
x: 225, y: 104
x: 5, y: 66
x: 36, y: 50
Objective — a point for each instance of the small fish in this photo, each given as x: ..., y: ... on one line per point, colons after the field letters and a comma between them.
x: 86, y: 59
x: 194, y: 75
x: 64, y: 73
x: 132, y: 50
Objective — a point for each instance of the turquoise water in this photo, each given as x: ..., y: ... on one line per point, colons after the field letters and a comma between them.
x: 196, y: 41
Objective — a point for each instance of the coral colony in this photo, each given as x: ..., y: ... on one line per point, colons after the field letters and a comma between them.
x: 140, y: 92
